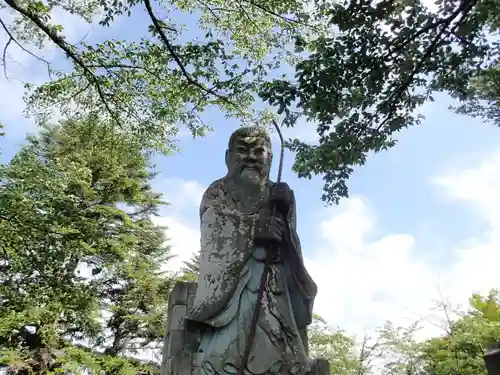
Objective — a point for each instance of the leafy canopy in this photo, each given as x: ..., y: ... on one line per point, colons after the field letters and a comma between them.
x: 362, y: 82
x: 168, y: 76
x: 361, y: 69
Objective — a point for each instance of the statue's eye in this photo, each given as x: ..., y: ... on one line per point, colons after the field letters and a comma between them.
x: 241, y: 149
x: 259, y: 150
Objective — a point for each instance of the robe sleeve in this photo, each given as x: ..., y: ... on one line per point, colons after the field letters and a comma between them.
x: 225, y: 246
x: 301, y: 286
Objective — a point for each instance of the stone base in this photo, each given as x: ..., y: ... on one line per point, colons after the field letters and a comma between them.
x: 320, y: 366
x: 188, y: 363
x: 492, y: 359
x: 181, y: 340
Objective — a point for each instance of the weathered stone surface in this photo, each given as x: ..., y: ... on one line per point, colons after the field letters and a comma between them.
x: 320, y: 366
x: 196, y: 359
x: 492, y: 359
x: 166, y: 366
x: 190, y: 301
x: 176, y: 317
x: 192, y: 287
x: 178, y: 296
x: 174, y: 342
x: 182, y: 364
x: 165, y: 353
x: 181, y: 338
x: 191, y: 340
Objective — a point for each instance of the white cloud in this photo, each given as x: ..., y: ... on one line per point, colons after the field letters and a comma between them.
x: 303, y: 130
x: 181, y: 193
x: 365, y: 280
x: 181, y: 218
x: 478, y: 187
x: 183, y: 239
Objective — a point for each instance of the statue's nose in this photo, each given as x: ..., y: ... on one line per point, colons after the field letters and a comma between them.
x: 251, y: 156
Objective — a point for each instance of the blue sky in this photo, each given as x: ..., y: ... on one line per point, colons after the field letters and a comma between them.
x: 421, y: 217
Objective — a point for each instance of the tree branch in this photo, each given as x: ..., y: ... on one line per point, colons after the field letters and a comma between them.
x: 166, y: 42
x: 120, y: 66
x: 249, y: 17
x: 4, y: 57
x: 66, y: 47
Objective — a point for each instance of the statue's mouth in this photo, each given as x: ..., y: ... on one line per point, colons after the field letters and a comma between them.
x: 250, y: 167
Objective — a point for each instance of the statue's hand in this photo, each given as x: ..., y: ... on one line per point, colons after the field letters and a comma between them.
x: 282, y: 197
x: 269, y: 229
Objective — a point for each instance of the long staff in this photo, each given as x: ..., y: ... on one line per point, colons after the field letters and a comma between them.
x: 255, y: 318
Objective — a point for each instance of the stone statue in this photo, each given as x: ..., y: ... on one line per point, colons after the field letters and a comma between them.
x: 238, y: 231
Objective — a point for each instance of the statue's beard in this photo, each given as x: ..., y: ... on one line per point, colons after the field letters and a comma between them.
x: 252, y: 176
x: 252, y: 179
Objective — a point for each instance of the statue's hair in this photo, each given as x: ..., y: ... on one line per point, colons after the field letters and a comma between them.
x: 250, y: 131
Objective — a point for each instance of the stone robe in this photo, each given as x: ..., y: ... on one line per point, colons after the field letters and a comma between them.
x: 231, y: 267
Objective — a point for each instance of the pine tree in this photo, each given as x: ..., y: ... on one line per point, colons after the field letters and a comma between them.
x: 191, y: 268
x: 80, y: 279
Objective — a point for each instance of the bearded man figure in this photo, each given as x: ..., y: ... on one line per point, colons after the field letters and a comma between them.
x: 238, y: 231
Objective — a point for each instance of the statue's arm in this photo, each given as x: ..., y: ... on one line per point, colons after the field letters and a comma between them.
x: 224, y: 248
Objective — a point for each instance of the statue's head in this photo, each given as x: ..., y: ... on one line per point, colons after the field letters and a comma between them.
x: 249, y: 155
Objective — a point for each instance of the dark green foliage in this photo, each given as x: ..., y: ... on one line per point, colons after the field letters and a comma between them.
x: 363, y: 82
x: 80, y: 255
x: 335, y: 346
x: 191, y: 269
x: 484, y: 97
x: 461, y: 350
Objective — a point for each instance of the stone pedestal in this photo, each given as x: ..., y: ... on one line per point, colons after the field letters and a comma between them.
x: 181, y: 340
x: 492, y: 359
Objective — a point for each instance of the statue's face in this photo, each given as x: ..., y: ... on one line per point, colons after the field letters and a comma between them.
x: 249, y: 159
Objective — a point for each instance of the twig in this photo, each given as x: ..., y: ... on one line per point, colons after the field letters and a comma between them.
x: 290, y: 20
x: 4, y: 58
x: 450, y: 327
x: 12, y: 39
x: 365, y: 355
x: 72, y: 96
x: 212, y: 11
x: 249, y: 17
x: 121, y: 66
x: 362, y: 357
x: 61, y: 43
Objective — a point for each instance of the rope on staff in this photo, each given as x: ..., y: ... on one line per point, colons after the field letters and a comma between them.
x: 255, y: 317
